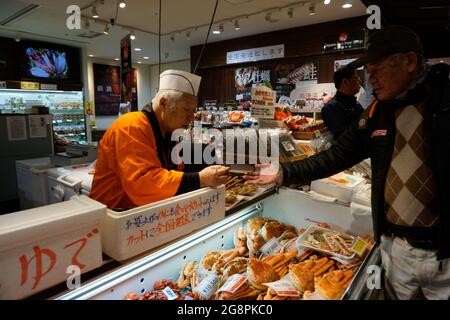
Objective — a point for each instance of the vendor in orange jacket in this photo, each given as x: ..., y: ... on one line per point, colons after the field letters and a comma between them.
x: 134, y: 167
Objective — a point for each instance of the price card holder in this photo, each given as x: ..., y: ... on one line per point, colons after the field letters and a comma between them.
x: 359, y: 247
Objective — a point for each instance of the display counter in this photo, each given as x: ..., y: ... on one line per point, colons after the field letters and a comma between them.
x: 289, y: 206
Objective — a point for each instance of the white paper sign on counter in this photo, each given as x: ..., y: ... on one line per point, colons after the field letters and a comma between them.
x: 38, y: 126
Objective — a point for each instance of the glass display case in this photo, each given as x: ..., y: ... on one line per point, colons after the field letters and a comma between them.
x: 65, y: 106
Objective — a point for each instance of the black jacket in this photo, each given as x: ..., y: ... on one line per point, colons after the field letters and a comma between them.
x: 357, y: 144
x: 340, y: 112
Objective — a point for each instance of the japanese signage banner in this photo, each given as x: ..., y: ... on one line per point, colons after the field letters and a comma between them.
x: 153, y: 225
x: 247, y: 78
x: 288, y: 76
x: 263, y: 102
x: 128, y: 76
x: 256, y: 54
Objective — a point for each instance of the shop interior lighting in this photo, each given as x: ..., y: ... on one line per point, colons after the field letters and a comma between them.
x: 221, y: 28
x: 94, y: 12
x: 325, y: 2
x: 172, y: 37
x: 312, y: 9
x: 139, y: 62
x: 106, y: 31
x: 188, y: 35
x: 91, y: 55
x: 86, y: 24
x: 132, y: 36
x: 122, y: 4
x: 236, y: 26
x: 117, y: 59
x: 347, y: 4
x: 137, y: 49
x: 146, y: 58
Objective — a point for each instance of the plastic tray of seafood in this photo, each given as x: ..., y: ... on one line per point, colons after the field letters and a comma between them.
x: 328, y: 241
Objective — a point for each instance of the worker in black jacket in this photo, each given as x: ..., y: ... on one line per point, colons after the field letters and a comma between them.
x: 343, y: 109
x: 406, y: 134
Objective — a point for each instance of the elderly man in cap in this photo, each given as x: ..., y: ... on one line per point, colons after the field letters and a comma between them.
x: 406, y: 134
x: 134, y: 166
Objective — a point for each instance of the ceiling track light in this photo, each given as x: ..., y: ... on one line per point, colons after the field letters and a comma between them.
x: 86, y: 24
x: 236, y: 25
x: 312, y: 9
x: 188, y: 35
x: 122, y: 4
x: 94, y: 12
x: 290, y: 13
x: 172, y: 37
x: 269, y: 17
x: 132, y: 36
x: 221, y: 28
x: 106, y: 31
x: 326, y: 2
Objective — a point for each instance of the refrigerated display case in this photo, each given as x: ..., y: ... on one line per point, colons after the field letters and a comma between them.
x: 289, y: 206
x: 65, y: 106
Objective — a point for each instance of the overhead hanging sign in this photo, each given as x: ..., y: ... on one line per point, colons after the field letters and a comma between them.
x: 256, y: 54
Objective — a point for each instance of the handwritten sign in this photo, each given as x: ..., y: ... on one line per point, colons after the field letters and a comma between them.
x: 256, y: 54
x: 147, y: 227
x: 263, y: 102
x: 44, y: 264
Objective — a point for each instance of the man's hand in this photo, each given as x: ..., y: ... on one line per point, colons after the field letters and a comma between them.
x: 213, y: 176
x: 267, y: 174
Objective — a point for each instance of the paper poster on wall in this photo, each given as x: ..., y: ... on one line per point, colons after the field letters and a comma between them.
x: 107, y: 89
x: 16, y: 128
x: 248, y: 78
x: 38, y: 126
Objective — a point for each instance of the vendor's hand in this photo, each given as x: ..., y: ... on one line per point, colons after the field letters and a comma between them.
x: 265, y: 174
x: 213, y: 176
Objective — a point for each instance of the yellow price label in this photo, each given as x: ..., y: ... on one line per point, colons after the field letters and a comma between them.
x: 359, y: 247
x: 29, y: 85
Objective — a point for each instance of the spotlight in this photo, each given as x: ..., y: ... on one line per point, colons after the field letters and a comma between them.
x: 137, y: 49
x: 290, y: 13
x: 106, y: 31
x: 312, y: 9
x: 347, y: 4
x: 117, y: 59
x: 221, y: 28
x: 132, y: 36
x: 236, y: 26
x: 325, y: 2
x: 91, y: 55
x: 188, y: 35
x: 146, y: 58
x: 172, y: 37
x: 94, y: 12
x: 86, y: 24
x: 122, y: 4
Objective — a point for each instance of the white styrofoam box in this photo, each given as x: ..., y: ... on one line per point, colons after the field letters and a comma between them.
x: 38, y: 245
x: 129, y: 233
x: 339, y: 186
x: 65, y: 182
x: 32, y: 182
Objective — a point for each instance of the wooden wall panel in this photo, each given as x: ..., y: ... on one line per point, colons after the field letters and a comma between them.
x: 302, y: 45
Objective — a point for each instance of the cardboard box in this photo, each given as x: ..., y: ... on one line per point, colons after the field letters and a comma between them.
x: 45, y: 246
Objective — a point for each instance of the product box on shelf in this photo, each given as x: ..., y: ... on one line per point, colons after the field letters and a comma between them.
x: 42, y: 247
x: 129, y: 233
x: 339, y: 186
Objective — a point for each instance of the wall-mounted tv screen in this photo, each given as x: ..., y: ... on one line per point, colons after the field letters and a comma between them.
x: 49, y: 62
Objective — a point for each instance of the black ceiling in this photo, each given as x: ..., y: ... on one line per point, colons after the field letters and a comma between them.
x: 430, y: 19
